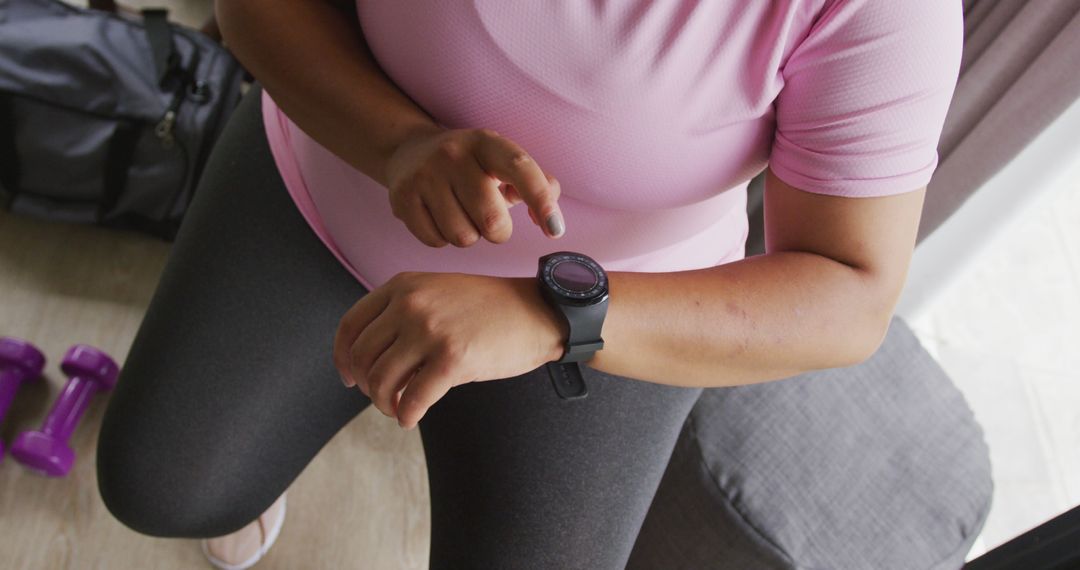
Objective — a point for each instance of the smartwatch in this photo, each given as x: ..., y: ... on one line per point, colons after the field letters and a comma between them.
x: 577, y: 287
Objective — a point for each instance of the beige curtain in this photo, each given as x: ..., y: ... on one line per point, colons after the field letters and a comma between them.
x: 1020, y: 70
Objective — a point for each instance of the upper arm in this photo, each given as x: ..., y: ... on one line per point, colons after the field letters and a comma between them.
x: 874, y: 236
x: 858, y: 120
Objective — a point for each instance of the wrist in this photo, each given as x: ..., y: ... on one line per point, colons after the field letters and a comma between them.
x: 552, y: 328
x: 409, y: 137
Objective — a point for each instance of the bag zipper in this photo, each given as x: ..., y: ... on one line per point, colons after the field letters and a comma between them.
x: 164, y: 128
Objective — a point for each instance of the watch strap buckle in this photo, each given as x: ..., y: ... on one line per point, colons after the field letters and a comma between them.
x: 578, y: 351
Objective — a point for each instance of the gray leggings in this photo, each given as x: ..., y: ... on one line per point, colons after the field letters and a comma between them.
x: 229, y: 391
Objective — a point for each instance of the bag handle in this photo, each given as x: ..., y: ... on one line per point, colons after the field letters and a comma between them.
x: 103, y: 5
x: 160, y: 35
x: 9, y: 159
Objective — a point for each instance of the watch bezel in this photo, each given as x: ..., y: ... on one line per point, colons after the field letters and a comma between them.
x: 598, y: 293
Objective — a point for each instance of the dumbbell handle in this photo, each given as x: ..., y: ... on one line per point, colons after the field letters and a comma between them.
x: 69, y: 407
x: 10, y: 379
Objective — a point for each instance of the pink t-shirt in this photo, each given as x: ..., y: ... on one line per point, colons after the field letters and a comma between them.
x: 652, y: 115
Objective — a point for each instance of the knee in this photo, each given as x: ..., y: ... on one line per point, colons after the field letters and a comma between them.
x: 154, y: 485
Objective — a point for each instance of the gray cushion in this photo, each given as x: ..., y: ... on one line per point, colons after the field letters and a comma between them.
x: 879, y: 465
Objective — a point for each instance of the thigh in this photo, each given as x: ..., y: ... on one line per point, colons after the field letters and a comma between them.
x: 229, y: 387
x: 520, y: 478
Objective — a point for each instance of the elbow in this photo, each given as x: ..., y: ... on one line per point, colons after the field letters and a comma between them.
x: 869, y: 321
x: 871, y: 325
x: 859, y: 341
x: 872, y: 338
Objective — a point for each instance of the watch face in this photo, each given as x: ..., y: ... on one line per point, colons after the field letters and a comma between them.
x: 574, y: 276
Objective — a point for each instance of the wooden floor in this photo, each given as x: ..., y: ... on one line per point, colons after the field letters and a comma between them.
x: 362, y: 503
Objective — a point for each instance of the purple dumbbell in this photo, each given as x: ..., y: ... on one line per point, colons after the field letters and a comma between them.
x: 46, y: 450
x: 20, y: 363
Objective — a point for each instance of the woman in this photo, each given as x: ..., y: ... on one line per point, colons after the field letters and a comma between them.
x: 317, y: 248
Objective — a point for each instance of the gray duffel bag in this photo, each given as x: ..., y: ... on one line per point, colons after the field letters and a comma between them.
x: 105, y: 118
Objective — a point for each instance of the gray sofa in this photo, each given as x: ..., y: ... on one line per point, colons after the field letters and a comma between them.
x: 879, y: 465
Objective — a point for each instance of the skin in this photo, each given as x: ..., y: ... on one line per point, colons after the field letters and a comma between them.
x: 820, y: 297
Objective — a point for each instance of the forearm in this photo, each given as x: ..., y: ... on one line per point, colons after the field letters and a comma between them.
x: 762, y: 318
x: 311, y: 57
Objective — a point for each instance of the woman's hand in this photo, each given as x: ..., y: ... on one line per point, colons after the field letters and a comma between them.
x: 454, y: 186
x: 448, y: 329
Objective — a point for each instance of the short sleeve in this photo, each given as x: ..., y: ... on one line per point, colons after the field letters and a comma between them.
x: 865, y: 96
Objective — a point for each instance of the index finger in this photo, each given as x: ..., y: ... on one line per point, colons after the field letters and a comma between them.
x: 428, y: 386
x: 352, y: 324
x: 507, y: 161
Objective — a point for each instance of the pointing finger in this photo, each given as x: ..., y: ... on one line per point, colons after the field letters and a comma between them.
x: 508, y: 162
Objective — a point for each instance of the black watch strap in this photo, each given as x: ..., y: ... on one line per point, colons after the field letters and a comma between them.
x: 582, y: 308
x: 584, y: 341
x: 568, y: 380
x: 585, y: 327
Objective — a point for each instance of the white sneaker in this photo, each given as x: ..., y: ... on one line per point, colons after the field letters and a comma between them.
x: 249, y: 544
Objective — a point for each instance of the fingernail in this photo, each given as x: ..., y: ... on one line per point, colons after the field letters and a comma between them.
x: 555, y: 224
x: 344, y: 381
